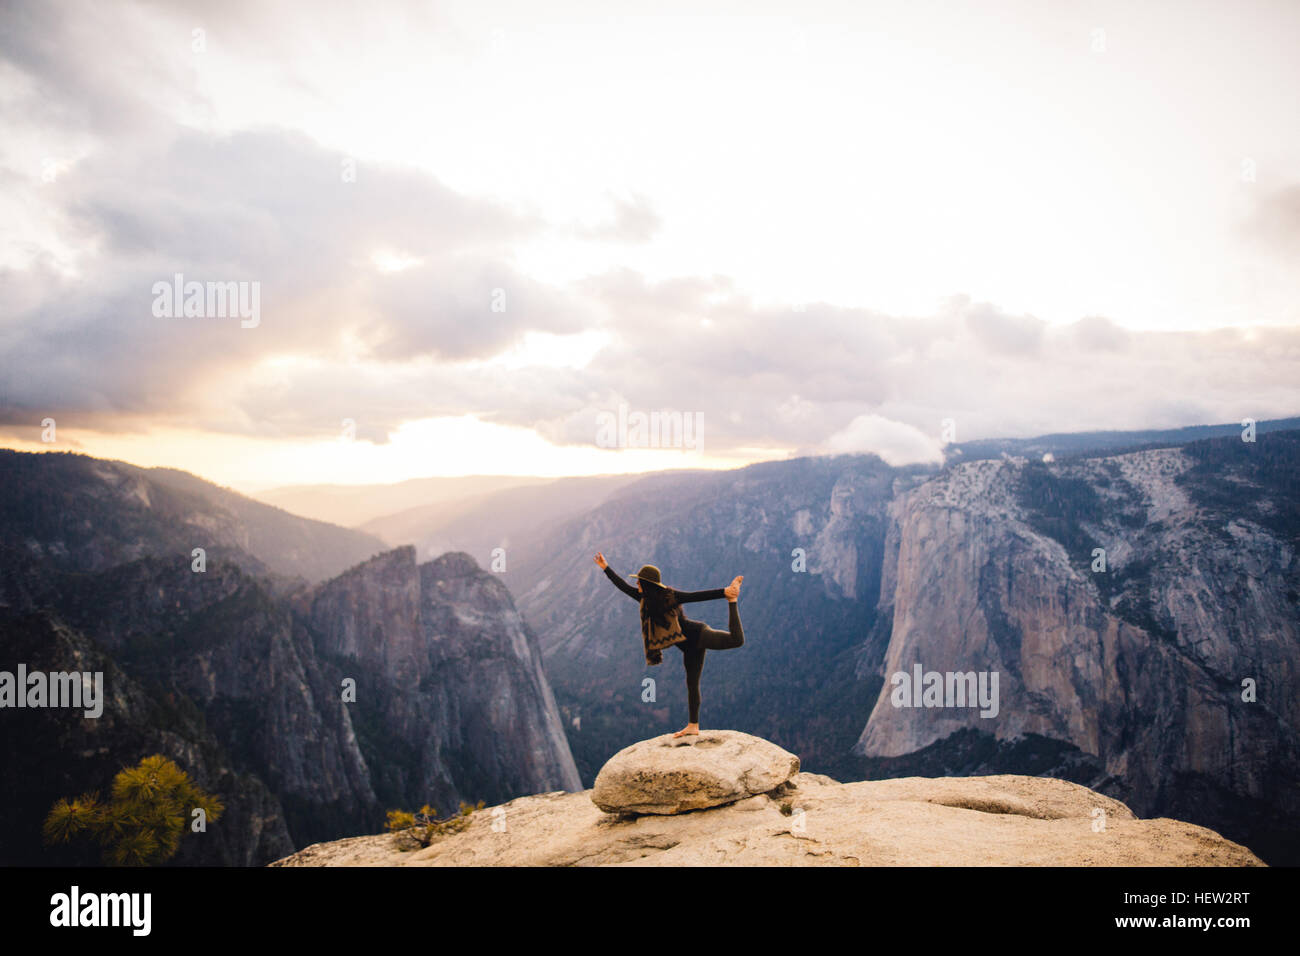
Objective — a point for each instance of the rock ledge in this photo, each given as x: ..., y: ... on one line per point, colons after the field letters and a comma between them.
x: 744, y: 803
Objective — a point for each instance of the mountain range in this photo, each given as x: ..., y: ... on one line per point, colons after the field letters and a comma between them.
x: 311, y: 706
x: 1137, y: 596
x: 1165, y: 680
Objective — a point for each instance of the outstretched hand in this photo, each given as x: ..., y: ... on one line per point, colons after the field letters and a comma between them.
x: 600, y: 560
x: 732, y: 590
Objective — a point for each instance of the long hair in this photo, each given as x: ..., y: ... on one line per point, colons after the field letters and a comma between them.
x: 658, y: 605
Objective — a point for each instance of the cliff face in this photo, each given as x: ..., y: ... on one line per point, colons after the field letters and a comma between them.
x: 1128, y: 680
x: 989, y: 568
x: 223, y: 645
x: 451, y: 702
x: 51, y: 753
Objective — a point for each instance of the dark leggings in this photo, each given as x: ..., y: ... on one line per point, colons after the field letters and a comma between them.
x: 708, y: 639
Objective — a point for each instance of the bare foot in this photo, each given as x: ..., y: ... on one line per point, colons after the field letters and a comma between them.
x: 732, y: 590
x: 690, y: 730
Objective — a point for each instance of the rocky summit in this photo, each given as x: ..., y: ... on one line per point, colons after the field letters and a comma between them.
x: 670, y: 774
x: 699, y: 802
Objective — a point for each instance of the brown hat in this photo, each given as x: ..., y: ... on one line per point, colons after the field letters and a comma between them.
x: 649, y: 573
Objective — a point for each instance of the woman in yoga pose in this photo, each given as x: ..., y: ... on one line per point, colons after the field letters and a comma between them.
x: 664, y: 624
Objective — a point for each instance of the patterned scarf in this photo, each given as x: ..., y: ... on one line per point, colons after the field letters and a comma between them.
x: 660, y: 630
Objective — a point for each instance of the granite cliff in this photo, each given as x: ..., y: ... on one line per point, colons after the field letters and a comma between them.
x: 452, y: 703
x: 1174, y: 666
x: 238, y: 673
x: 1165, y: 680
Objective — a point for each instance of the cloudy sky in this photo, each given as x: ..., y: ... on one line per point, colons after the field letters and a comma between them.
x: 474, y: 227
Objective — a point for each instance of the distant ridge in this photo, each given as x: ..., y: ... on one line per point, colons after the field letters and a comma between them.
x: 87, y: 514
x: 354, y: 505
x: 1092, y: 444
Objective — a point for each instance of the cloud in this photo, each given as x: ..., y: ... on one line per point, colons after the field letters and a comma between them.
x: 1274, y: 220
x: 340, y: 338
x: 895, y: 442
x: 1096, y: 333
x: 634, y: 220
x: 1005, y: 334
x: 266, y: 207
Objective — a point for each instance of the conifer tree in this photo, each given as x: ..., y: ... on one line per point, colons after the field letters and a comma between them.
x: 142, y: 823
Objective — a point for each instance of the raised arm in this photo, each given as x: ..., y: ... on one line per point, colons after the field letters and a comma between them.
x: 690, y: 597
x: 731, y: 592
x: 618, y: 582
